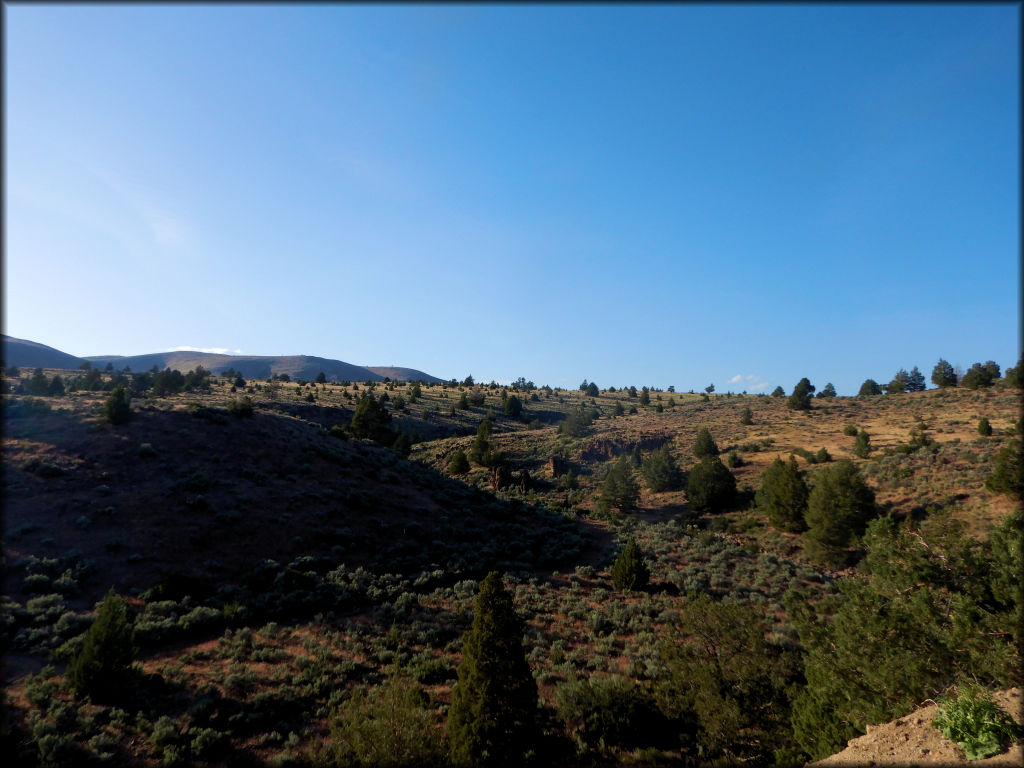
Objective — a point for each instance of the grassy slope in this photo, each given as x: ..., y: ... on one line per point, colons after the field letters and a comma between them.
x: 220, y: 496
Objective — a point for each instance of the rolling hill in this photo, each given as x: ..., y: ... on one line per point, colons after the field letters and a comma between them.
x: 29, y: 354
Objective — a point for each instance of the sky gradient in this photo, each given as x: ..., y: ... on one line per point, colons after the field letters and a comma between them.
x: 657, y: 195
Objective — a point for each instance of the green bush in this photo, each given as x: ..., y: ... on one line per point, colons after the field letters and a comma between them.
x: 984, y: 427
x: 838, y: 510
x: 976, y: 723
x: 241, y: 409
x: 850, y: 430
x: 117, y: 407
x: 746, y: 417
x: 862, y: 445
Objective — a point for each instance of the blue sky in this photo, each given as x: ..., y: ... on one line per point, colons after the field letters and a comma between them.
x: 661, y: 195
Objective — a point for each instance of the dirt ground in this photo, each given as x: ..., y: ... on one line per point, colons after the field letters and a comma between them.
x: 912, y: 740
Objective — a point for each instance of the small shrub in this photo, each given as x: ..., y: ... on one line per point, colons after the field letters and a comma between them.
x: 850, y: 430
x: 984, y: 428
x: 976, y: 723
x: 458, y: 464
x: 241, y: 409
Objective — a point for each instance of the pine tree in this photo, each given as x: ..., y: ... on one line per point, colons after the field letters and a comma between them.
x: 630, y: 572
x: 103, y: 666
x: 783, y: 495
x: 746, y: 418
x: 984, y: 427
x: 828, y: 391
x: 493, y: 716
x: 915, y: 381
x: 778, y: 392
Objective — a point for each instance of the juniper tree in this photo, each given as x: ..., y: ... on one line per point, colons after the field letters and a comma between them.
x: 660, y: 470
x: 492, y: 720
x: 783, y: 495
x: 458, y: 464
x: 869, y: 388
x: 943, y: 374
x: 828, y: 391
x: 746, y: 417
x: 630, y: 572
x: 103, y: 666
x: 704, y: 445
x: 838, y: 510
x: 710, y: 487
x: 117, y: 407
x: 619, y: 490
x: 800, y: 400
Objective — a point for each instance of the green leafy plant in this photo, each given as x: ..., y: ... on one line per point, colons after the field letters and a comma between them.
x: 975, y: 722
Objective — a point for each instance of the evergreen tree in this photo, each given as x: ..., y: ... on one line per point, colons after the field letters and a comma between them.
x: 746, y: 418
x: 660, y: 470
x: 915, y: 381
x: 630, y: 572
x: 828, y: 391
x: 778, y: 392
x: 37, y: 383
x: 103, y: 665
x: 463, y: 404
x: 979, y: 376
x: 1007, y: 471
x: 711, y: 487
x: 458, y: 464
x: 117, y: 407
x: 372, y: 420
x: 619, y: 490
x: 898, y: 385
x: 800, y: 400
x: 645, y: 396
x: 1014, y: 377
x: 321, y: 378
x: 838, y: 510
x: 869, y: 388
x: 492, y: 720
x: 984, y: 427
x: 862, y: 445
x: 943, y: 375
x: 56, y: 388
x: 591, y: 390
x: 512, y: 407
x: 783, y: 495
x: 704, y: 445
x: 932, y: 610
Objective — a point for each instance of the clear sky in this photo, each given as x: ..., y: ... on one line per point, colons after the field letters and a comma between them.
x: 656, y: 195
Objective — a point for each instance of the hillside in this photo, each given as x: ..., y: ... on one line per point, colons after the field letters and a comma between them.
x: 276, y: 566
x: 29, y: 354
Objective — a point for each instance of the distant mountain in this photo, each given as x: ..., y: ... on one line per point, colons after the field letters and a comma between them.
x: 30, y: 354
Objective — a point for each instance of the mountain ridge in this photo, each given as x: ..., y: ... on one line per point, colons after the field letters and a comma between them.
x: 25, y: 353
